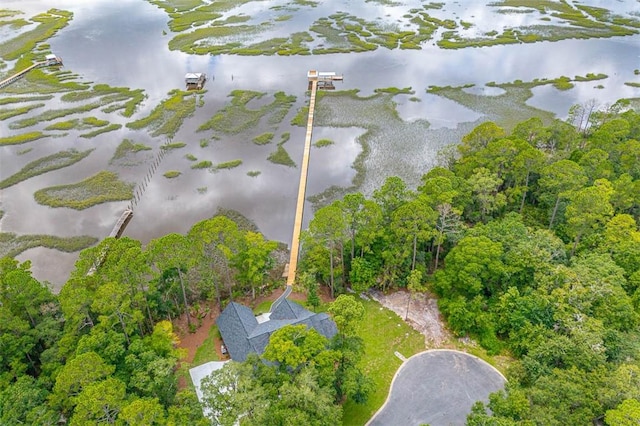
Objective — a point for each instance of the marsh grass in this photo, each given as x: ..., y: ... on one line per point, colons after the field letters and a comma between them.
x: 263, y: 139
x: 105, y: 129
x: 126, y: 147
x: 21, y: 138
x: 167, y: 118
x: 237, y: 117
x: 20, y: 99
x: 396, y: 91
x: 13, y: 112
x: 172, y: 174
x: 49, y: 23
x: 12, y: 245
x: 281, y: 156
x: 300, y: 118
x: 45, y: 164
x: 506, y: 109
x: 50, y: 115
x: 284, y: 138
x: 253, y: 173
x: 584, y: 22
x: 100, y: 188
x: 191, y: 157
x: 24, y: 151
x: 228, y: 165
x: 323, y: 142
x: 64, y: 125
x: 173, y: 145
x: 205, y: 164
x: 112, y: 98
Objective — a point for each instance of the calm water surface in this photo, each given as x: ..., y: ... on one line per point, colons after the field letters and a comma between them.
x: 121, y: 43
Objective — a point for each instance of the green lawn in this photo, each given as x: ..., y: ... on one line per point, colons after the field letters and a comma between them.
x: 262, y: 307
x: 383, y: 332
x: 207, y: 351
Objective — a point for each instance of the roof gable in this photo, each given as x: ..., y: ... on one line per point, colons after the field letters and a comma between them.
x: 242, y: 334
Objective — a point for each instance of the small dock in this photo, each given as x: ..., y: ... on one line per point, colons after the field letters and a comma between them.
x: 116, y: 232
x: 323, y: 79
x: 121, y: 224
x: 195, y: 80
x: 50, y: 60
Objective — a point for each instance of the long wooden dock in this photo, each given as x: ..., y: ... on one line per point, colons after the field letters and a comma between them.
x: 20, y: 74
x: 302, y: 188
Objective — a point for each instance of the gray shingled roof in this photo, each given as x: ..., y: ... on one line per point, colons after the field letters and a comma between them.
x: 243, y: 335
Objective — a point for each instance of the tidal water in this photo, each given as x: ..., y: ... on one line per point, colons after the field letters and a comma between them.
x: 121, y: 43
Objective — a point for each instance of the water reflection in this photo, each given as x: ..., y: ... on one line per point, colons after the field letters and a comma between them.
x: 122, y: 44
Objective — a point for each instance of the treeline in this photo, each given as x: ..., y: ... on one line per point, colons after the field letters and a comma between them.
x: 530, y: 239
x: 103, y: 350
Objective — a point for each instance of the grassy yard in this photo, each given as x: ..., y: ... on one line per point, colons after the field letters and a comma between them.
x: 383, y: 333
x: 207, y: 351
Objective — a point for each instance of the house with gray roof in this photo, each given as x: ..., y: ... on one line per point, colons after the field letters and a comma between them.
x: 244, y: 333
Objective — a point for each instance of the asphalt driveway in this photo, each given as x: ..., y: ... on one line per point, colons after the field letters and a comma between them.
x: 437, y: 387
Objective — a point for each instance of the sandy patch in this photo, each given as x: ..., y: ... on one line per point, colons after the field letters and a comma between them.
x: 421, y: 313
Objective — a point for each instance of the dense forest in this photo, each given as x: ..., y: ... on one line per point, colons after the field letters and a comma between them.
x: 529, y: 238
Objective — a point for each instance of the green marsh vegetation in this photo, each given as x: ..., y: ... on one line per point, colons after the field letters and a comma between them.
x: 53, y: 114
x: 105, y: 129
x: 227, y: 165
x: 205, y: 164
x: 12, y: 112
x: 21, y: 138
x: 47, y: 24
x: 100, y: 188
x: 171, y: 174
x: 126, y: 148
x: 280, y: 155
x: 253, y: 173
x: 237, y: 117
x: 191, y: 157
x: 45, y: 164
x: 12, y: 245
x: 396, y: 91
x: 24, y: 151
x: 173, y: 145
x: 323, y: 142
x: 263, y: 139
x: 21, y: 99
x: 510, y: 107
x: 166, y: 118
x: 584, y: 22
x: 112, y: 98
x: 300, y: 119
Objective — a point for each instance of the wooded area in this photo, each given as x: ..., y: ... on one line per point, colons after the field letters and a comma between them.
x: 530, y: 241
x: 529, y: 238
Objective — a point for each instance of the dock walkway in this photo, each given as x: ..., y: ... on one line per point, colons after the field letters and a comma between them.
x: 4, y: 83
x: 302, y: 188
